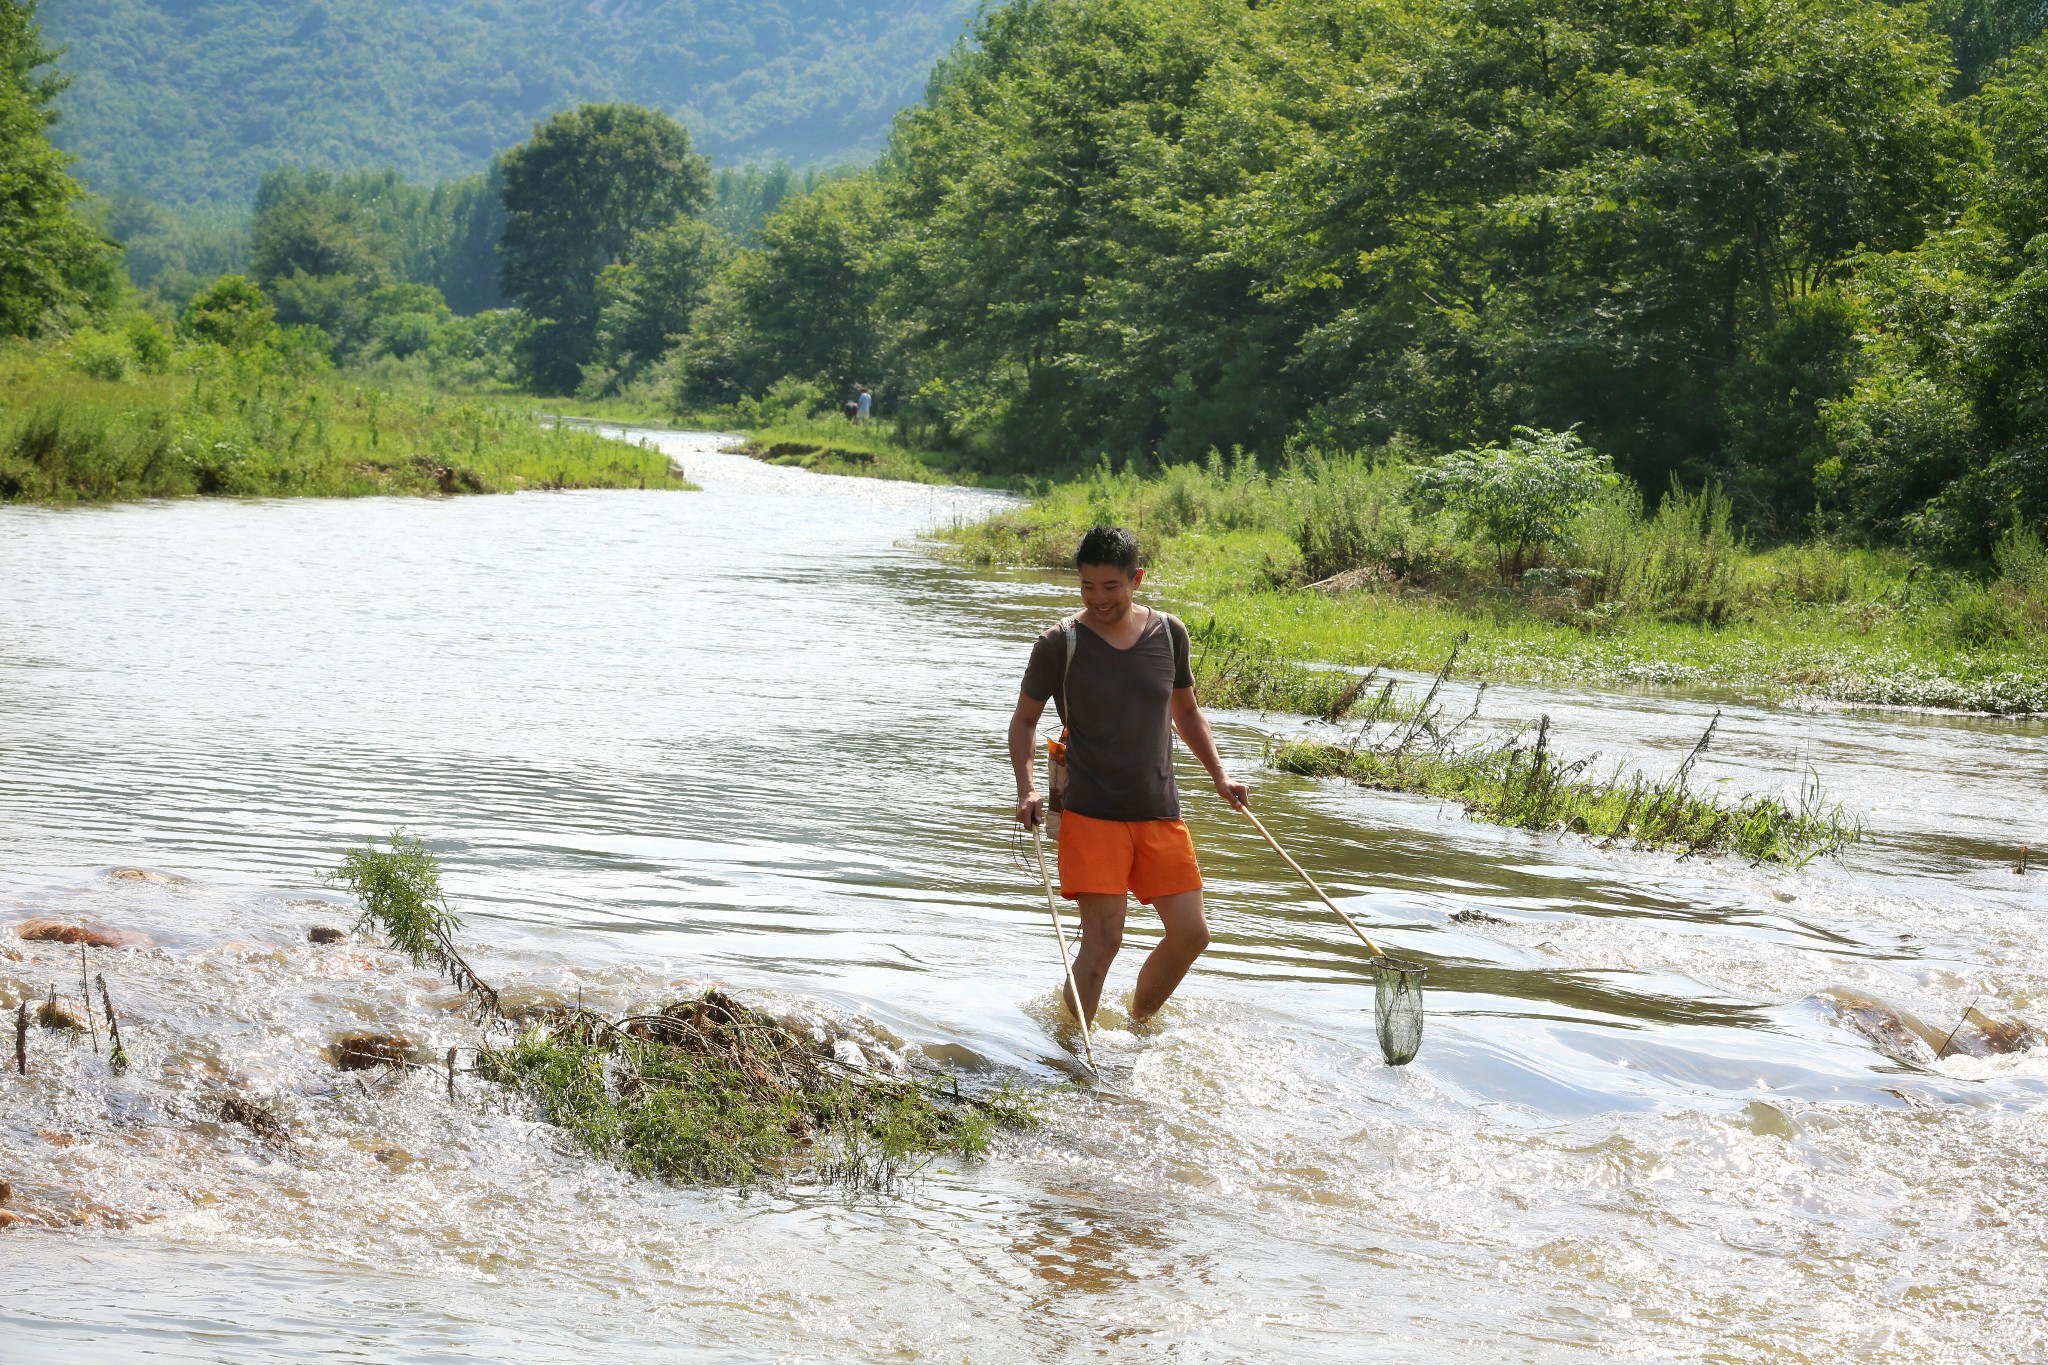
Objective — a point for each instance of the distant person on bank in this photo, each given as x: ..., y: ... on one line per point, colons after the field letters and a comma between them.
x: 866, y: 404
x: 1128, y: 688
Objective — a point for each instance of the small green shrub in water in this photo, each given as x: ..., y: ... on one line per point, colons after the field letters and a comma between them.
x: 399, y: 890
x: 705, y: 1091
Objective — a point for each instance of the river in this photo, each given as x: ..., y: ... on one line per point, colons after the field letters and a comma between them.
x: 753, y: 735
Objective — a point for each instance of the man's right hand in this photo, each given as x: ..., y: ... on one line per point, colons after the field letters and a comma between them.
x: 1031, y: 810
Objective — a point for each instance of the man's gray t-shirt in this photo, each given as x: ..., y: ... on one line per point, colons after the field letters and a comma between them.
x: 1119, y: 716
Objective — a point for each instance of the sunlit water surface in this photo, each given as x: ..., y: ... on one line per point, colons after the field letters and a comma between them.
x: 753, y: 735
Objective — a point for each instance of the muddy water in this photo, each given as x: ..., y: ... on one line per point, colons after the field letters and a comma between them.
x: 752, y: 735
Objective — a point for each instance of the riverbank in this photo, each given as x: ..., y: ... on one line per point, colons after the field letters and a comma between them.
x: 79, y: 427
x: 1282, y: 576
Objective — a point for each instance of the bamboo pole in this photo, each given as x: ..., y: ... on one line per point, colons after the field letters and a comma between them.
x: 1259, y: 825
x: 1052, y: 905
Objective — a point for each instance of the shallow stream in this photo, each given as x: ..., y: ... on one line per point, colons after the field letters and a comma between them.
x: 753, y: 735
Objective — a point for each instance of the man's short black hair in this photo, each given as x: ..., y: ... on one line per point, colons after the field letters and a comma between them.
x: 1111, y: 545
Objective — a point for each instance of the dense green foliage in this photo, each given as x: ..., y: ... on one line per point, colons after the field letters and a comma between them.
x: 50, y: 259
x: 1725, y: 242
x: 710, y: 1091
x: 703, y: 1090
x: 191, y: 102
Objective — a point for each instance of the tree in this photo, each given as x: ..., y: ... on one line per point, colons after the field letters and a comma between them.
x: 1944, y: 438
x: 1539, y: 213
x: 645, y: 303
x: 577, y: 195
x: 49, y: 257
x: 803, y: 304
x: 303, y: 225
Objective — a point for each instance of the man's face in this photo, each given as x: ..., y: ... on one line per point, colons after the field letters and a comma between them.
x: 1106, y: 591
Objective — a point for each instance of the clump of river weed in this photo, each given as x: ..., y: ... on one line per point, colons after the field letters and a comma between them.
x: 705, y: 1090
x: 1526, y: 786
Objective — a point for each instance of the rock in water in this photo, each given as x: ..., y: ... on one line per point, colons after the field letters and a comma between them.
x: 143, y: 874
x: 49, y: 931
x: 1895, y: 1033
x: 50, y: 1014
x: 6, y: 1192
x: 55, y: 931
x: 322, y: 934
x: 257, y: 1118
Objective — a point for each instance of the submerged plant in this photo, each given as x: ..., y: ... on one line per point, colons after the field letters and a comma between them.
x: 710, y: 1091
x: 704, y: 1090
x: 1527, y: 786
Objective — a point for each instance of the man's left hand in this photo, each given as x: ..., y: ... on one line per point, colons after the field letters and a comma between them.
x: 1236, y: 793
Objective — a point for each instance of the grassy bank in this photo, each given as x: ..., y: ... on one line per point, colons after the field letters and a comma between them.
x: 207, y: 421
x: 1350, y: 562
x: 833, y: 445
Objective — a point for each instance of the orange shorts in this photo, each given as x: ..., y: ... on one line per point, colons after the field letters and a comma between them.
x: 1148, y: 858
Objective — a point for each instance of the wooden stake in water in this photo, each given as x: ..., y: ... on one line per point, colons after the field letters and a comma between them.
x: 1066, y: 965
x: 451, y: 1073
x: 21, y: 1037
x: 85, y: 990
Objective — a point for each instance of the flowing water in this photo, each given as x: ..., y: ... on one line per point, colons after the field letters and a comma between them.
x: 753, y: 735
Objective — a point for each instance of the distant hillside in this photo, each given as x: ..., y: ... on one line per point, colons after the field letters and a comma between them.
x: 190, y: 101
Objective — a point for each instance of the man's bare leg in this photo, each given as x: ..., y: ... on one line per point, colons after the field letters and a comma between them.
x: 1187, y: 934
x: 1102, y: 933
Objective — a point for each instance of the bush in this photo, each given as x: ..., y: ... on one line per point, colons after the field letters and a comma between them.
x: 100, y: 356
x: 1680, y: 565
x: 1352, y: 513
x: 149, y: 345
x: 231, y: 313
x: 1979, y: 616
x: 1226, y: 495
x: 1522, y: 496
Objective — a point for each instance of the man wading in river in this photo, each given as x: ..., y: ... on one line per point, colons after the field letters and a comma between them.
x: 1127, y: 688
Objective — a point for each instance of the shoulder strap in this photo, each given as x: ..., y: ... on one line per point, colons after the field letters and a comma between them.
x: 1073, y: 638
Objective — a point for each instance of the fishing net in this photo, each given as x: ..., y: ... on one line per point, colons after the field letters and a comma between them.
x: 1397, y: 1007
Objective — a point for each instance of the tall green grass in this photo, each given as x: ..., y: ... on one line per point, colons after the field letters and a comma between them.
x: 1332, y: 560
x: 216, y: 423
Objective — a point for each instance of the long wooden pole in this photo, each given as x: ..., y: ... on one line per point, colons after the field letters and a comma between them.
x: 1052, y: 905
x: 1260, y: 826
